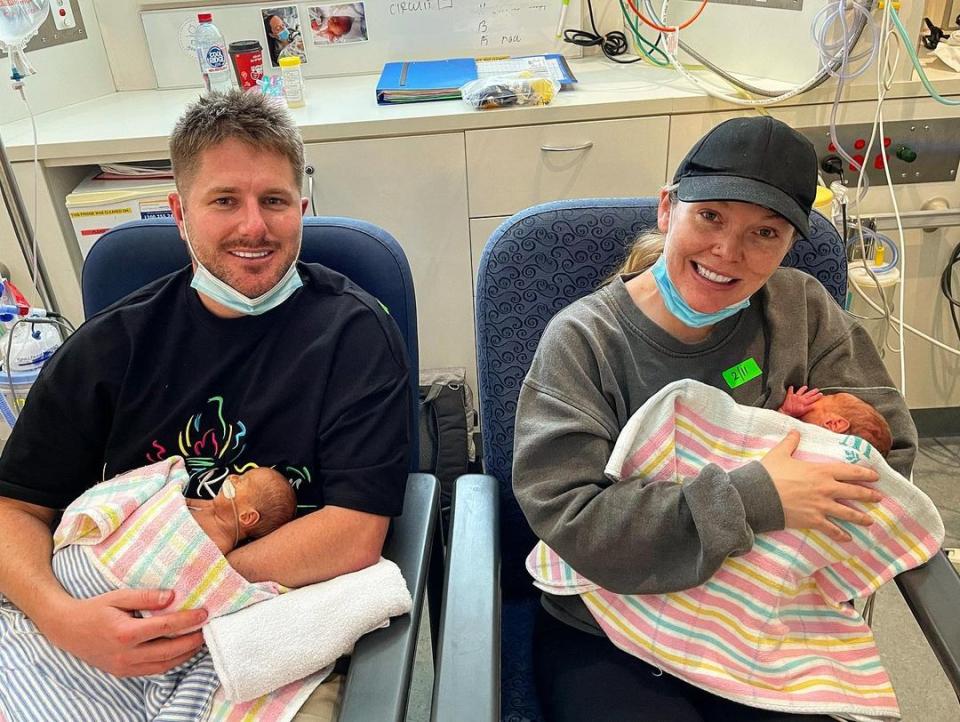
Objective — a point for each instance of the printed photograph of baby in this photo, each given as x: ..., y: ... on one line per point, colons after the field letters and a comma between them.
x: 281, y: 25
x: 338, y: 24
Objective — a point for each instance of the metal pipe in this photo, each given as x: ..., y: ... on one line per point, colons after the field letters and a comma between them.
x: 23, y: 230
x: 928, y: 220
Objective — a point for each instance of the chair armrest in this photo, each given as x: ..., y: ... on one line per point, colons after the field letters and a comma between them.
x: 467, y: 682
x: 378, y: 679
x: 932, y: 592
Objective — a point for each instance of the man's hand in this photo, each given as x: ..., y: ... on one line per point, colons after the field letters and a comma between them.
x: 812, y: 494
x: 104, y: 632
x: 799, y: 403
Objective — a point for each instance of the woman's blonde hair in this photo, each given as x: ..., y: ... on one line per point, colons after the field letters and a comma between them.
x: 646, y: 248
x: 644, y: 252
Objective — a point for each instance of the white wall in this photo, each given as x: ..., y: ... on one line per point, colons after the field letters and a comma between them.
x: 66, y: 74
x: 128, y: 55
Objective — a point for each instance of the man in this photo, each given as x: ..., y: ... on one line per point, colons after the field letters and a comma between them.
x: 247, y: 358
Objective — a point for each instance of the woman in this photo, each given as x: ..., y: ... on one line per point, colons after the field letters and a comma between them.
x: 701, y: 296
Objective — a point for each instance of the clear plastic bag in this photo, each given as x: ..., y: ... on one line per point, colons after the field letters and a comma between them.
x: 502, y: 91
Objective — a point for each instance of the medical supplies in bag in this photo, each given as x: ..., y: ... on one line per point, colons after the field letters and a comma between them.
x: 501, y: 91
x: 27, y: 339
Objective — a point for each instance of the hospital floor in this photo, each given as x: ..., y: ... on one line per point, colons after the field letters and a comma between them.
x: 923, y: 690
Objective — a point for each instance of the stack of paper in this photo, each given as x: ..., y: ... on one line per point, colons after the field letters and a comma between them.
x: 135, y: 171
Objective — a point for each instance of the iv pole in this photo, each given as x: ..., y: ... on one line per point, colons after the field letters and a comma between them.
x: 22, y: 228
x: 8, y: 182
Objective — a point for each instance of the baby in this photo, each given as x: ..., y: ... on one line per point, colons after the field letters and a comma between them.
x: 248, y: 506
x: 841, y: 413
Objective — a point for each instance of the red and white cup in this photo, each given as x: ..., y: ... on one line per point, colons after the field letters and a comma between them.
x: 247, y: 59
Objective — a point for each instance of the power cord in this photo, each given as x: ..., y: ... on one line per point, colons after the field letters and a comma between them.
x: 946, y: 287
x: 612, y: 44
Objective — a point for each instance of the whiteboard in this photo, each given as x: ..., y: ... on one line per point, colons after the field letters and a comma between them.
x: 396, y: 30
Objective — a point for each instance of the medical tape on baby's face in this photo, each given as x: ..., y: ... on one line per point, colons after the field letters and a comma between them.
x: 229, y: 491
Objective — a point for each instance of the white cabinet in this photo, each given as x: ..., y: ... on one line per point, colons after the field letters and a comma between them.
x: 480, y: 230
x: 416, y: 188
x: 513, y: 168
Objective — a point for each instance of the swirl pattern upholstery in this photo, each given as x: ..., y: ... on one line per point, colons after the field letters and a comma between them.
x: 536, y: 263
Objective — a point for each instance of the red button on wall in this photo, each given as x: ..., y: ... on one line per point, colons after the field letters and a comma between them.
x: 832, y: 148
x: 859, y: 159
x: 63, y: 13
x: 878, y: 162
x: 859, y: 144
x: 886, y: 142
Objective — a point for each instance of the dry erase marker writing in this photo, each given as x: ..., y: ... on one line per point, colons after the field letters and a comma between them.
x: 563, y: 17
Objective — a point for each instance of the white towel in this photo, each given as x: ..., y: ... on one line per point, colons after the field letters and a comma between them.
x: 270, y: 644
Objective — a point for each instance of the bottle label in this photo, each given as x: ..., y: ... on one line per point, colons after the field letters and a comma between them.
x: 216, y: 58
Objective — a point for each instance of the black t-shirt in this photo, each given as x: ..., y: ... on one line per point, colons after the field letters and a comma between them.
x: 317, y: 388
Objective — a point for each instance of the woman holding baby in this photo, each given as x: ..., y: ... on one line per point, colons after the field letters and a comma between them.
x: 703, y: 294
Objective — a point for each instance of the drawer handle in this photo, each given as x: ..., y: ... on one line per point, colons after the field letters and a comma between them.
x: 566, y: 148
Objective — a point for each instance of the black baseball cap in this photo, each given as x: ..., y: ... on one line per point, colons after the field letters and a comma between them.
x: 757, y: 160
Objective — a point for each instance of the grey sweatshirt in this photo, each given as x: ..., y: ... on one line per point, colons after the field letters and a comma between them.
x: 600, y: 359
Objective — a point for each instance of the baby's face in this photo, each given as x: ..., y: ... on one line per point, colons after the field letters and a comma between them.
x: 339, y: 25
x: 830, y: 407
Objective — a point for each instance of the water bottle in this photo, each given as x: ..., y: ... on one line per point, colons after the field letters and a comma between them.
x: 212, y: 54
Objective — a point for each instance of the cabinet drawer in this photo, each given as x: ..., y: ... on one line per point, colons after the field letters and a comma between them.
x: 509, y: 169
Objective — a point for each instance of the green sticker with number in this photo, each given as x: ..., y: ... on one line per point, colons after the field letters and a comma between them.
x: 741, y: 373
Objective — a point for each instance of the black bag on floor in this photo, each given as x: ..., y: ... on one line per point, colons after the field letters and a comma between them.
x: 445, y: 407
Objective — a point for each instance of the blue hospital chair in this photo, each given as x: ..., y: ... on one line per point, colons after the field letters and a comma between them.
x: 134, y: 254
x: 536, y: 263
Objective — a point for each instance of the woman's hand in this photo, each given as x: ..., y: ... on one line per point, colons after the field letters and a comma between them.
x: 812, y: 492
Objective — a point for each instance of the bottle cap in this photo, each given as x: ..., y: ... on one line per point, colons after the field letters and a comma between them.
x: 205, y: 17
x: 290, y: 61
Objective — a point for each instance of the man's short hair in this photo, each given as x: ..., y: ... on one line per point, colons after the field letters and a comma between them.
x: 249, y: 117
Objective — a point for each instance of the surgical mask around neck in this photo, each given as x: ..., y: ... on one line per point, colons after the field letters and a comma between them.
x: 679, y: 308
x: 226, y: 295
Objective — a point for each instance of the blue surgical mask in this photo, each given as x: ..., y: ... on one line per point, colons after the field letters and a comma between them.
x: 679, y: 308
x: 213, y: 288
x: 284, y: 35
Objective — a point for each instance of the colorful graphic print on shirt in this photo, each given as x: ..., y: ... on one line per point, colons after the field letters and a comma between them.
x: 213, y: 448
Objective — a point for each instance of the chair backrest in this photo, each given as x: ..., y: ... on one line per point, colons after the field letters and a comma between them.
x: 133, y: 254
x: 536, y: 263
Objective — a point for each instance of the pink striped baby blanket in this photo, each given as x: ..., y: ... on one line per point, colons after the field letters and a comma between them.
x: 140, y: 534
x: 770, y: 629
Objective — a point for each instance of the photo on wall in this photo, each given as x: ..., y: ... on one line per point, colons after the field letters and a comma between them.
x: 338, y: 24
x: 281, y: 25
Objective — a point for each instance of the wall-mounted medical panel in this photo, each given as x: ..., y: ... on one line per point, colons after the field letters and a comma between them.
x: 917, y: 151
x: 64, y: 24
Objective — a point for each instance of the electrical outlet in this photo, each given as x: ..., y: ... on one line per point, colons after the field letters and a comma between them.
x: 62, y: 13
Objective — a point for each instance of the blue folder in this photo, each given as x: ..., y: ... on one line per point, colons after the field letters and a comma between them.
x: 424, y: 80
